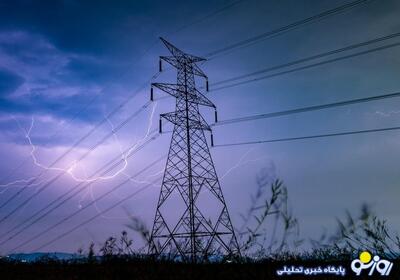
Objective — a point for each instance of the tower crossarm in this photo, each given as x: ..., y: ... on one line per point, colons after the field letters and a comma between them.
x: 194, y: 96
x: 179, y: 118
x: 177, y: 62
x: 171, y: 60
x: 198, y: 72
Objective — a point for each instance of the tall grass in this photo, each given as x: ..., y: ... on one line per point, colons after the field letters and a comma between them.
x: 270, y: 230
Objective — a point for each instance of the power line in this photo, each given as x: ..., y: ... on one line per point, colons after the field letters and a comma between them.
x: 313, y: 57
x: 62, y: 173
x: 307, y: 109
x: 119, y: 107
x: 78, y: 188
x: 207, y: 16
x: 307, y: 66
x: 110, y: 165
x: 288, y: 27
x: 90, y: 219
x: 84, y: 108
x: 115, y: 188
x: 302, y: 60
x: 19, y: 166
x: 310, y: 137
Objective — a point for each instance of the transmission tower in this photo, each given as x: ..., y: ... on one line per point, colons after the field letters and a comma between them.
x: 194, y: 224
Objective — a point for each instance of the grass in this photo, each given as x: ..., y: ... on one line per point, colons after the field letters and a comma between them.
x: 269, y: 238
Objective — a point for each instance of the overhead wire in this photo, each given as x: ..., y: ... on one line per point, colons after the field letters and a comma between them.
x: 377, y: 49
x: 77, y: 189
x: 307, y: 109
x: 83, y: 208
x: 310, y: 58
x: 55, y: 178
x: 283, y: 29
x: 309, y: 137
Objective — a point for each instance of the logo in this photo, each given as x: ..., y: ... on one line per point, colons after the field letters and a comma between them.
x: 330, y: 269
x: 365, y: 261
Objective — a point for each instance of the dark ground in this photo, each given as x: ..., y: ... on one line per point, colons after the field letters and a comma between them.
x: 139, y: 269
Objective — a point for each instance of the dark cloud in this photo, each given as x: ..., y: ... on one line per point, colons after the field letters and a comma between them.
x: 37, y: 103
x: 9, y: 82
x: 82, y: 26
x: 49, y: 81
x: 89, y: 70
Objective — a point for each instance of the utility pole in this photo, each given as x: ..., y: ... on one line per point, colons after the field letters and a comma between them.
x: 181, y: 229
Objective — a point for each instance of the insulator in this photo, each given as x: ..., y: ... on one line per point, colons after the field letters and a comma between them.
x: 212, y: 140
x: 160, y: 65
x: 216, y: 116
x: 206, y: 85
x: 151, y: 94
x: 160, y: 127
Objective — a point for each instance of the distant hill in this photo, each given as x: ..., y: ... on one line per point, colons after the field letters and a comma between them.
x: 33, y: 257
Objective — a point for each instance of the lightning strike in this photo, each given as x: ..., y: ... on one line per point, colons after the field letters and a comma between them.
x: 124, y: 156
x: 73, y: 166
x: 241, y: 162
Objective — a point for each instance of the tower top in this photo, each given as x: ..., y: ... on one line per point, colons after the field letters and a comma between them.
x: 179, y: 54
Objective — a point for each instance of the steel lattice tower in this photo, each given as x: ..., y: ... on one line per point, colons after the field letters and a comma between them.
x: 190, y: 173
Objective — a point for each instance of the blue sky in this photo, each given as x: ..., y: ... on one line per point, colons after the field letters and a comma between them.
x: 67, y: 64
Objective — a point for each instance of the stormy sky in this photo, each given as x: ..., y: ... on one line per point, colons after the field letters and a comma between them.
x: 65, y: 66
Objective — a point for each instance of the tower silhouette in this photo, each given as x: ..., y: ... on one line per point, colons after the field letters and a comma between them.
x: 195, y: 224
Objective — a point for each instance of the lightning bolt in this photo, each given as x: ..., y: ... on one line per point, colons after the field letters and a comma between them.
x: 74, y: 164
x: 19, y: 183
x: 242, y: 162
x: 124, y: 156
x: 387, y: 114
x: 116, y: 138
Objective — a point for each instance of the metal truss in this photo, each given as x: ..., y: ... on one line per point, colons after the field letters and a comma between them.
x: 190, y: 175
